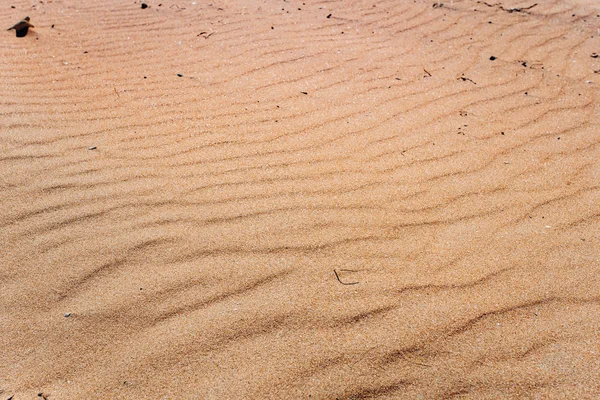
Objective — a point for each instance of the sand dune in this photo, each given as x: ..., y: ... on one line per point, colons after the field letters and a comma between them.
x: 286, y: 200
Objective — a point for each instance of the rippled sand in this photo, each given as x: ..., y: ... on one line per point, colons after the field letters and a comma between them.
x: 286, y: 200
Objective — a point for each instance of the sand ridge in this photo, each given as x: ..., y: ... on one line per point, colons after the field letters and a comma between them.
x: 187, y: 187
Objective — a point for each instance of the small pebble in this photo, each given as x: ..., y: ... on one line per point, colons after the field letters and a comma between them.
x: 67, y: 315
x: 92, y: 148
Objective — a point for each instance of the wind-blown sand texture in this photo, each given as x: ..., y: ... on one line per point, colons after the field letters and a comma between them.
x: 169, y: 236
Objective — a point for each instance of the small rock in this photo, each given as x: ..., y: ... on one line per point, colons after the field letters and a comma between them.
x: 22, y: 27
x: 144, y: 6
x: 492, y: 58
x: 67, y: 315
x: 92, y: 148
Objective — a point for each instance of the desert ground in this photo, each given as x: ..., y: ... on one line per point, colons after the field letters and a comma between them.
x: 289, y: 200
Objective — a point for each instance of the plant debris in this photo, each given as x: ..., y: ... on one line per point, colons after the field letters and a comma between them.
x: 509, y: 10
x: 340, y: 281
x: 465, y: 79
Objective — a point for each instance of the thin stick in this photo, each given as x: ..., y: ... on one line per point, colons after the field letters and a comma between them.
x: 340, y: 281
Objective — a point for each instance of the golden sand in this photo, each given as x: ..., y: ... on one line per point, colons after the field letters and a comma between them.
x: 292, y: 200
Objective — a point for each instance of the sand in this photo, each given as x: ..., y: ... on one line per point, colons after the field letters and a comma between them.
x: 288, y: 200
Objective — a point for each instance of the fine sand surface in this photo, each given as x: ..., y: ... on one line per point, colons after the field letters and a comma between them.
x: 289, y: 200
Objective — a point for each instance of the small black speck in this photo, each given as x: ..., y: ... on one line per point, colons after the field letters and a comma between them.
x: 145, y: 77
x: 144, y: 5
x: 329, y: 16
x: 52, y: 26
x: 92, y: 148
x: 12, y: 6
x: 558, y: 138
x: 492, y: 58
x: 526, y: 93
x: 502, y: 133
x: 272, y: 28
x: 180, y: 75
x: 85, y: 52
x: 304, y: 92
x: 489, y: 22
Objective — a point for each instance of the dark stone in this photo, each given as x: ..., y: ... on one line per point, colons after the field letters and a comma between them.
x: 22, y: 32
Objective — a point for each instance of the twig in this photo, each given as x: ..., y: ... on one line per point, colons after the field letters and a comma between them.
x: 518, y: 9
x: 464, y: 79
x: 205, y: 34
x: 427, y: 72
x: 340, y: 281
x: 509, y: 10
